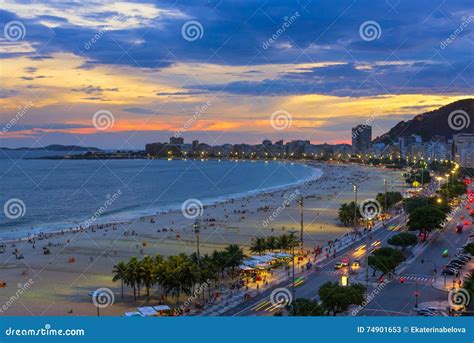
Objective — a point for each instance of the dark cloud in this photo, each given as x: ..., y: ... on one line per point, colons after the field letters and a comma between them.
x: 94, y: 90
x: 239, y: 33
x: 140, y: 110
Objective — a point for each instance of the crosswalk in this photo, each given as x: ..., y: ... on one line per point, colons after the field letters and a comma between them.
x: 417, y: 278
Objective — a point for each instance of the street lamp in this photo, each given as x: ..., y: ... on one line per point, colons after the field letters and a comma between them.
x: 301, y: 205
x: 355, y: 208
x: 197, y: 230
x: 293, y: 290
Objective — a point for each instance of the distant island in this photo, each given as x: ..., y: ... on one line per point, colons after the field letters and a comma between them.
x: 55, y: 147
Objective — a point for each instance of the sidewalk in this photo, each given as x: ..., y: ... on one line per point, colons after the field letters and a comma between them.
x: 230, y: 300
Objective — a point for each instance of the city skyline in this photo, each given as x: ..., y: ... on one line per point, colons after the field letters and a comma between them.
x: 309, y: 63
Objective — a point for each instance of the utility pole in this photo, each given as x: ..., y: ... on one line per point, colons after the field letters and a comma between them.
x: 301, y: 204
x: 293, y: 288
x: 385, y: 196
x: 355, y: 208
x: 197, y: 227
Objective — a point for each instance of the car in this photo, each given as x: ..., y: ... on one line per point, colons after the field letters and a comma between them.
x: 458, y: 260
x: 431, y: 310
x: 355, y: 264
x: 454, y: 266
x: 426, y: 314
x: 456, y: 263
x: 340, y: 265
x: 465, y: 257
x: 449, y: 271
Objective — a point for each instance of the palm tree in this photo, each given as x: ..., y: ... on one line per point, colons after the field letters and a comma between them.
x: 133, y: 272
x: 235, y: 256
x: 271, y: 243
x: 209, y: 272
x: 220, y: 260
x: 120, y: 272
x: 148, y: 273
x: 181, y: 275
x: 258, y: 246
x: 286, y: 242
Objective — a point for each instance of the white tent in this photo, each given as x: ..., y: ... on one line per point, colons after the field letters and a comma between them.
x: 244, y: 267
x: 132, y: 314
x: 161, y: 308
x: 147, y: 311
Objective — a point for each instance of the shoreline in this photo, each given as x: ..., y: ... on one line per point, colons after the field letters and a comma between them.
x: 61, y: 284
x: 172, y: 208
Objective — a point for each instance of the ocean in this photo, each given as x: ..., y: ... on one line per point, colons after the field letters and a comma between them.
x: 44, y: 195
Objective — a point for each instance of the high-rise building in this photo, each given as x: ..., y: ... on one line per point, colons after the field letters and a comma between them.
x: 361, y: 139
x: 195, y: 145
x: 464, y: 149
x: 176, y: 140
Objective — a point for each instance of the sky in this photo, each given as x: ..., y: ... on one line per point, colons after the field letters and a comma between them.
x: 118, y: 75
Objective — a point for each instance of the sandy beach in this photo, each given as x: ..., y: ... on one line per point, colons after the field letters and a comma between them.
x: 81, y: 261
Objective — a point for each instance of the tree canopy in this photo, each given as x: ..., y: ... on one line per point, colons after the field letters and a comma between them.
x: 346, y: 213
x: 392, y: 199
x: 385, y: 259
x: 427, y: 217
x: 305, y: 307
x: 336, y: 298
x: 403, y: 240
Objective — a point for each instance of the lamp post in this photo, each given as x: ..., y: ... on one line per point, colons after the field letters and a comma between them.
x: 385, y: 196
x: 293, y: 289
x: 355, y: 208
x: 301, y: 204
x: 197, y: 230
